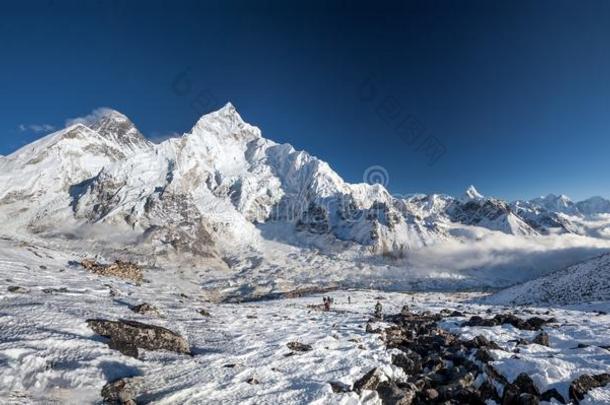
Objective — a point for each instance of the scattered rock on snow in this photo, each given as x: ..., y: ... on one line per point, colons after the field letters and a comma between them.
x: 542, y: 339
x: 370, y: 381
x: 17, y: 289
x: 203, y: 312
x: 533, y: 323
x: 339, y: 387
x: 122, y: 391
x: 145, y: 309
x: 124, y: 270
x: 299, y: 347
x: 55, y: 290
x: 128, y: 336
x: 586, y: 382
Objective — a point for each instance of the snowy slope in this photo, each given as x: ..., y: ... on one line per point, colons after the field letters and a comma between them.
x: 582, y: 283
x: 49, y: 355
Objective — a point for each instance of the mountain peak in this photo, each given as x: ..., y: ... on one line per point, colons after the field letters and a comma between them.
x: 113, y: 125
x: 226, y: 121
x: 472, y: 193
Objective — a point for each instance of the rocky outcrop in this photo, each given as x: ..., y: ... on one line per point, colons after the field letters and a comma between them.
x: 128, y: 336
x: 125, y: 270
x: 442, y: 368
x: 533, y: 323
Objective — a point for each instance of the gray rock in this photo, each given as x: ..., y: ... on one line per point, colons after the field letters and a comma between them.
x: 370, y: 381
x: 526, y: 384
x: 145, y: 309
x: 552, y: 394
x: 390, y: 393
x: 542, y: 339
x: 339, y: 387
x: 122, y: 391
x: 299, y: 347
x: 586, y: 382
x: 128, y: 336
x: 17, y: 289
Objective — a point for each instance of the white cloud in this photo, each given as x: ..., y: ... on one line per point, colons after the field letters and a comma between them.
x: 91, y: 117
x: 503, y: 259
x: 160, y: 137
x: 37, y: 128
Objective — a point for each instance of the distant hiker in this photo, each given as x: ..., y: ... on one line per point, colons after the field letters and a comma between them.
x: 349, y: 299
x: 327, y: 303
x: 378, y: 310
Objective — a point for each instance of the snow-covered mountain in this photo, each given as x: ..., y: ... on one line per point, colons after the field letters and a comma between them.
x: 222, y: 188
x: 556, y: 203
x: 581, y: 283
x: 593, y: 206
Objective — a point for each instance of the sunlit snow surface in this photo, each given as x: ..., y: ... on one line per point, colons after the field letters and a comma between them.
x: 49, y: 355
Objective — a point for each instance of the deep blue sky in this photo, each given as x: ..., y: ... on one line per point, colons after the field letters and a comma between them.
x: 517, y: 92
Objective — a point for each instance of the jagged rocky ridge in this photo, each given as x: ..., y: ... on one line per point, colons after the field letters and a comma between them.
x: 216, y: 188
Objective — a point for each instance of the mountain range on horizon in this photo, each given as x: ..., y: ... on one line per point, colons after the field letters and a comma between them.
x: 223, y: 188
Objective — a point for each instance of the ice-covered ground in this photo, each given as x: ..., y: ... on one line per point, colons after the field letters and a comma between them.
x: 49, y: 355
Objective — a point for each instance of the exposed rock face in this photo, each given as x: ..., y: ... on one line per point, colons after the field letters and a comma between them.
x: 128, y: 336
x: 124, y: 270
x: 586, y: 382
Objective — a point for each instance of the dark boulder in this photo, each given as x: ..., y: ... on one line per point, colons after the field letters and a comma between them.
x: 370, y: 381
x: 299, y: 347
x: 410, y: 363
x: 541, y: 339
x: 511, y: 395
x: 488, y: 392
x: 526, y: 384
x: 586, y: 382
x: 481, y: 341
x: 528, y: 399
x: 548, y: 395
x: 483, y: 355
x: 145, y: 309
x: 128, y: 336
x: 392, y: 394
x: 339, y: 387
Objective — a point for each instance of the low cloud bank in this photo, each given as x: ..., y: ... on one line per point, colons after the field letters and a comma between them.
x: 498, y: 259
